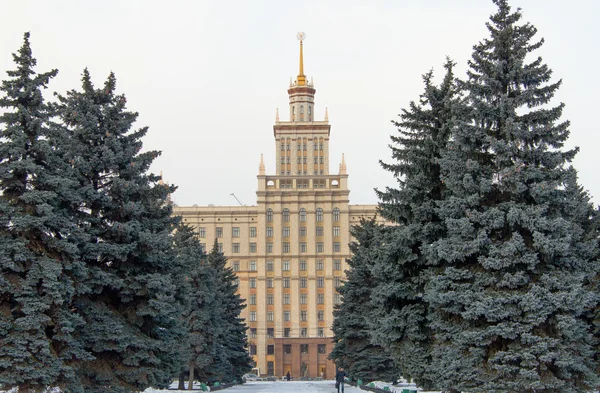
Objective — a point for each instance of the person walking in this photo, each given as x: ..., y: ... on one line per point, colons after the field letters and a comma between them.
x: 288, y: 376
x: 340, y: 376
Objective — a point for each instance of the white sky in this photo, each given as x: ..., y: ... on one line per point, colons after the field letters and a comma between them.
x: 206, y: 77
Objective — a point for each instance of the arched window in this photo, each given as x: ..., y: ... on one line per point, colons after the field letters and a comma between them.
x: 336, y: 214
x: 301, y: 109
x: 269, y: 215
x: 303, y: 215
x: 309, y: 110
x: 319, y: 214
x: 286, y: 215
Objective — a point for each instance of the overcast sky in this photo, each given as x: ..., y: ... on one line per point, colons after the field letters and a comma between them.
x: 206, y: 77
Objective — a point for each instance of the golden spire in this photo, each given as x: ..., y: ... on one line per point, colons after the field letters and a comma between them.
x: 301, y: 77
x: 343, y: 166
x: 261, y: 166
x: 277, y: 115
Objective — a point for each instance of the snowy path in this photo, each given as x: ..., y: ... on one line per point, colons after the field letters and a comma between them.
x: 292, y: 386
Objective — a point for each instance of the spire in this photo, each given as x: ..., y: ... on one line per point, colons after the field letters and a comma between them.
x: 326, y: 115
x: 343, y: 166
x: 277, y: 115
x: 261, y: 166
x: 301, y: 77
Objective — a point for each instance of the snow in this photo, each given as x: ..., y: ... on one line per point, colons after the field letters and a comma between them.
x: 276, y: 387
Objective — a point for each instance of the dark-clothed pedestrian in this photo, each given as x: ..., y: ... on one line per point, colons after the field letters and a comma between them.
x: 340, y: 376
x: 288, y: 376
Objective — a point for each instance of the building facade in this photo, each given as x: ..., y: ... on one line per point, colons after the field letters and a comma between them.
x: 289, y: 251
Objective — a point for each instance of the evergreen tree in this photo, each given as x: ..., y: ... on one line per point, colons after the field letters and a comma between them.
x: 232, y: 359
x: 508, y: 305
x: 398, y: 312
x: 133, y: 303
x: 353, y: 349
x: 40, y: 271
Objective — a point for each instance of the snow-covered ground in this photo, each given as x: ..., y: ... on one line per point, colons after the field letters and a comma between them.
x: 276, y: 387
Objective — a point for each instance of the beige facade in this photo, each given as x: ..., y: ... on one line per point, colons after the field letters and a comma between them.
x: 289, y: 251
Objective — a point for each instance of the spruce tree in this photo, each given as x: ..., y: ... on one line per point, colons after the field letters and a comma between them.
x: 353, y: 348
x: 134, y: 304
x: 398, y: 313
x: 39, y: 268
x: 508, y: 305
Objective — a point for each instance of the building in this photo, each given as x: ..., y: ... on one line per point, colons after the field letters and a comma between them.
x: 289, y: 251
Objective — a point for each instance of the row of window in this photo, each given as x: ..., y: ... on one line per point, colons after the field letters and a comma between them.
x: 301, y: 146
x: 287, y: 317
x: 286, y: 265
x: 337, y: 281
x: 286, y: 299
x: 319, y: 231
x: 252, y: 332
x: 285, y: 215
x: 287, y: 349
x: 235, y: 232
x: 285, y: 247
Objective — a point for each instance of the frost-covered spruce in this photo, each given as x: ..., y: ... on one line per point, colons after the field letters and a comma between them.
x: 354, y: 350
x: 508, y: 305
x: 398, y: 313
x: 39, y: 270
x: 133, y: 306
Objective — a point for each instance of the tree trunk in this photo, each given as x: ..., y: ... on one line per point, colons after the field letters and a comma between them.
x: 191, y: 380
x: 181, y: 385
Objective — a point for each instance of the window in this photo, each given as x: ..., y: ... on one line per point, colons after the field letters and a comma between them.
x: 269, y: 283
x: 303, y: 332
x: 321, y: 315
x: 303, y: 297
x: 285, y: 232
x: 302, y: 246
x: 236, y: 266
x: 270, y: 298
x: 286, y: 282
x: 271, y: 350
x: 252, y: 332
x: 302, y: 231
x: 320, y: 247
x: 201, y: 232
x: 203, y: 246
x: 235, y: 232
x: 337, y: 282
x: 302, y: 265
x: 270, y: 316
x: 336, y: 231
x: 286, y: 316
x: 316, y: 160
x: 337, y: 264
x: 236, y: 282
x: 235, y: 248
x: 286, y: 247
x: 219, y: 231
x: 252, y: 349
x: 319, y: 231
x: 287, y: 349
x: 336, y: 247
x: 285, y: 266
x: 302, y: 282
x: 269, y: 266
x: 269, y: 215
x: 303, y: 215
x: 285, y: 214
x: 336, y: 214
x: 301, y: 109
x: 304, y: 349
x: 321, y: 349
x: 252, y: 231
x: 299, y: 160
x: 321, y: 332
x: 252, y: 266
x: 220, y: 247
x: 269, y: 231
x: 270, y: 332
x: 320, y: 264
x: 286, y: 332
x: 252, y: 316
x: 269, y: 247
x: 320, y: 298
x: 252, y: 248
x: 253, y: 283
x: 337, y: 298
x: 253, y: 299
x: 286, y: 298
x: 319, y: 214
x: 320, y: 282
x: 303, y: 315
